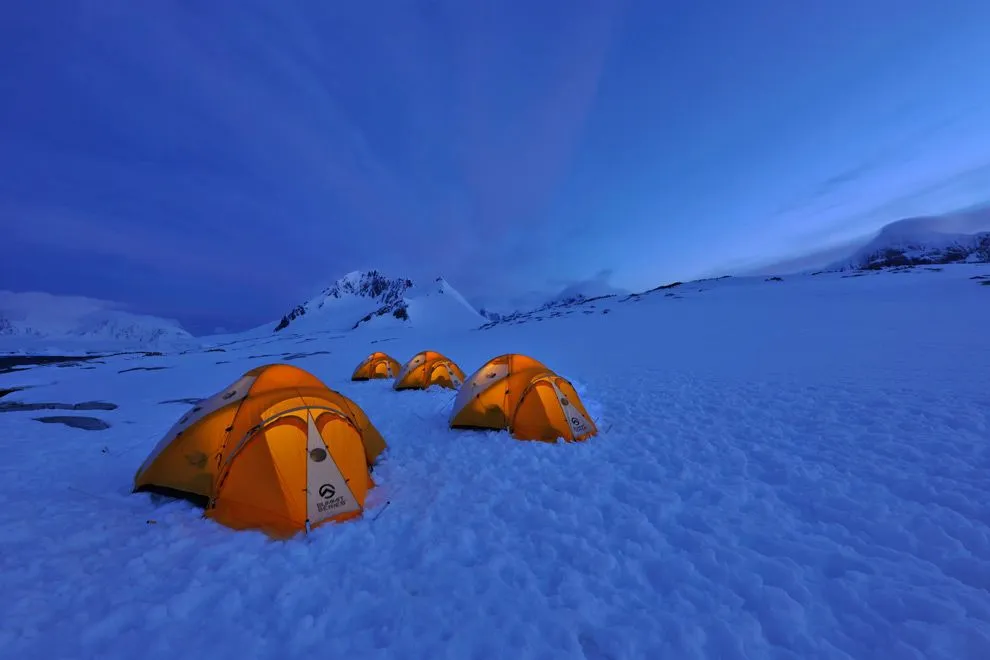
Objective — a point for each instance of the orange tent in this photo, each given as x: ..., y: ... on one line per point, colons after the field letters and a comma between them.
x: 277, y: 450
x: 376, y: 365
x: 429, y: 368
x: 518, y: 393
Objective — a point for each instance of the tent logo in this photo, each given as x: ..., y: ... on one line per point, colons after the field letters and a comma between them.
x: 327, y: 491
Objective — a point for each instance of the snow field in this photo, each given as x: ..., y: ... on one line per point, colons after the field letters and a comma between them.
x: 772, y: 480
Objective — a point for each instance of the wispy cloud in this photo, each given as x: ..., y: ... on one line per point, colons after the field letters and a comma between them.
x: 275, y: 146
x: 163, y: 250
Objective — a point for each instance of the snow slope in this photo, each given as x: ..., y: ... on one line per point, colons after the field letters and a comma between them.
x: 34, y: 320
x: 440, y: 306
x: 786, y: 469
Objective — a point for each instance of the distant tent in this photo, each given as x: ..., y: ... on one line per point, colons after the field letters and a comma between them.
x: 429, y: 368
x: 277, y: 450
x: 376, y: 365
x: 518, y: 393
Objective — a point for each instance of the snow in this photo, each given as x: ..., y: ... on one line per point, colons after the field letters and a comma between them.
x: 922, y: 236
x: 441, y: 306
x: 793, y: 469
x: 915, y: 244
x: 337, y: 314
x: 348, y: 304
x: 596, y: 287
x: 40, y: 320
x: 353, y: 277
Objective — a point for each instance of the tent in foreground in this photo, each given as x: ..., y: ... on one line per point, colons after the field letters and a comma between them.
x: 377, y: 365
x: 518, y: 393
x: 277, y: 450
x: 429, y: 368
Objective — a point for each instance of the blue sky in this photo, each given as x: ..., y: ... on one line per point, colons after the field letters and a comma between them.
x: 218, y: 162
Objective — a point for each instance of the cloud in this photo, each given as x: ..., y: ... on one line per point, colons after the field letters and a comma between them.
x: 186, y: 255
x: 966, y: 220
x: 238, y: 156
x: 17, y: 306
x: 283, y: 109
x: 812, y: 261
x: 597, y: 285
x: 956, y: 188
x: 273, y: 149
x: 829, y: 192
x: 554, y: 289
x: 516, y: 146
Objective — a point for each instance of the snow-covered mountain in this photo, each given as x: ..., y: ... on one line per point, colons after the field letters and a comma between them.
x: 959, y: 237
x: 919, y: 242
x: 923, y: 240
x: 35, y: 317
x: 371, y: 299
x: 341, y: 305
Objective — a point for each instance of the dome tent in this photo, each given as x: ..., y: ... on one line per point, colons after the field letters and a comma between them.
x: 520, y: 394
x: 377, y: 365
x: 429, y: 368
x: 277, y: 450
